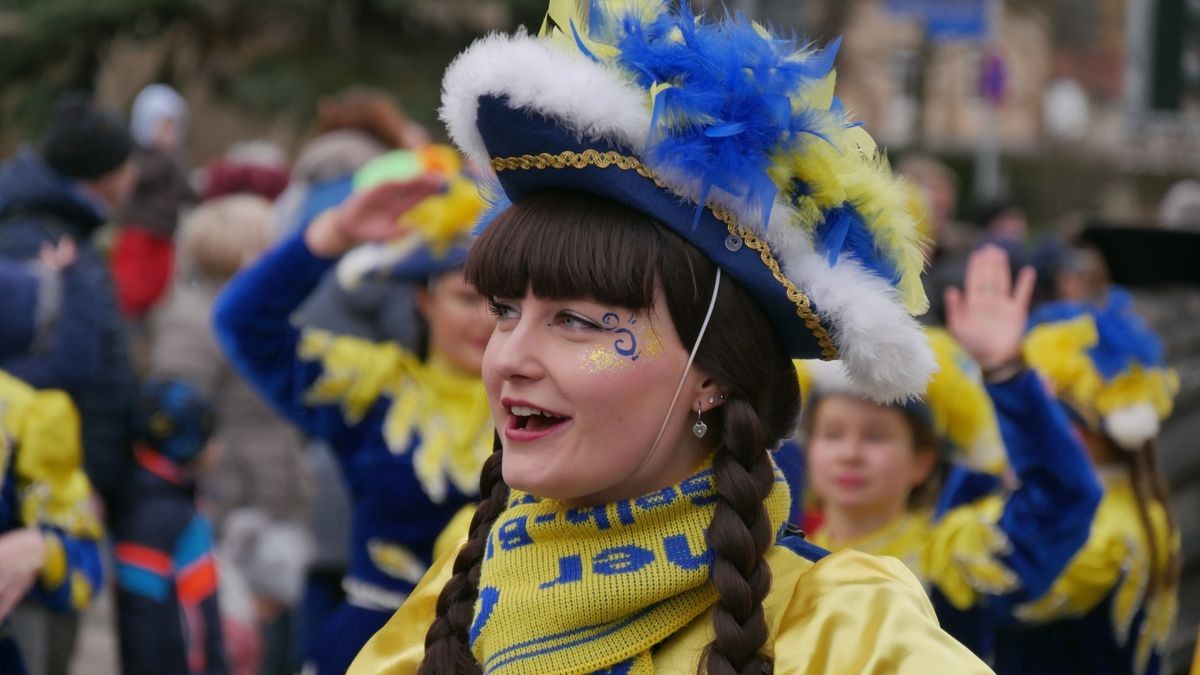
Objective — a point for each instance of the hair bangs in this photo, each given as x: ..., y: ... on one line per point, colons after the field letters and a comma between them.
x: 564, y: 244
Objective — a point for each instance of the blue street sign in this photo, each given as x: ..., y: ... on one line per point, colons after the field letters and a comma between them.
x: 946, y: 20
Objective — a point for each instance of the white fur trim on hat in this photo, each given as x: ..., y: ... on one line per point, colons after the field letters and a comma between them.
x: 1132, y: 426
x: 514, y: 66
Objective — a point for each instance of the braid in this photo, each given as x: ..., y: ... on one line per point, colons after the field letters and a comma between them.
x: 446, y: 648
x: 1158, y: 486
x: 740, y: 535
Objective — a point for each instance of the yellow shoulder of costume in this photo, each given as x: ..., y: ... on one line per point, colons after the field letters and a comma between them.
x: 1112, y: 548
x: 48, y: 460
x: 848, y: 613
x: 856, y: 613
x: 452, y: 538
x: 398, y: 647
x: 961, y: 556
x: 356, y: 371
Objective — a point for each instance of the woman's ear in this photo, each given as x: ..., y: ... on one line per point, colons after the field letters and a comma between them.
x: 710, y: 395
x: 924, y: 461
x: 424, y: 300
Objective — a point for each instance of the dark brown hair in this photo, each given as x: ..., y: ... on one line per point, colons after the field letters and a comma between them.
x: 1149, y: 486
x: 562, y: 244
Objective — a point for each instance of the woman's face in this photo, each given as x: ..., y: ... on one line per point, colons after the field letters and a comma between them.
x: 861, y: 458
x: 459, y: 323
x: 579, y: 392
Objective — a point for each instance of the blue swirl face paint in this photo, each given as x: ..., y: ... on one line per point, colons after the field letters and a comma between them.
x: 631, y: 343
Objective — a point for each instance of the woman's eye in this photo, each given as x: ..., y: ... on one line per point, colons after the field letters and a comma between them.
x: 501, y: 310
x: 572, y: 321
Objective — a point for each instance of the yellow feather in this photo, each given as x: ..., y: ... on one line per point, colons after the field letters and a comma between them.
x: 962, y: 410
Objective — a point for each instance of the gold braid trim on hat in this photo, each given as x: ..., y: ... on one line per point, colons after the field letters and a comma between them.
x: 603, y: 160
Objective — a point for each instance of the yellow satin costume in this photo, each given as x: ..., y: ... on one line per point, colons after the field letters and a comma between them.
x: 957, y: 554
x: 847, y: 613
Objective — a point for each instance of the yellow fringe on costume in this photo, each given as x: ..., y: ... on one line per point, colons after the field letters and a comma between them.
x: 447, y: 410
x: 1116, y: 555
x: 958, y: 554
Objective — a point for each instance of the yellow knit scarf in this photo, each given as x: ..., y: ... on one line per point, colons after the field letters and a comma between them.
x: 582, y: 590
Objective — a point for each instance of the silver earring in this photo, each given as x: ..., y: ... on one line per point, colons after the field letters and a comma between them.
x: 712, y: 400
x: 699, y: 428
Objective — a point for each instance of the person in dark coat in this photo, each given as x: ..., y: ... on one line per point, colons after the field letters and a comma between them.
x: 167, y: 607
x: 66, y: 187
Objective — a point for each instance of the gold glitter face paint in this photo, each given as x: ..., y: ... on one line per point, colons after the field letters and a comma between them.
x: 627, y: 348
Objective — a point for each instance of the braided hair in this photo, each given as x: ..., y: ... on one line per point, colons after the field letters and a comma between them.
x: 571, y: 245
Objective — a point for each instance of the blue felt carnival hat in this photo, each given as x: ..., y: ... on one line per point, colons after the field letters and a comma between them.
x: 650, y: 106
x: 1105, y: 364
x: 437, y: 230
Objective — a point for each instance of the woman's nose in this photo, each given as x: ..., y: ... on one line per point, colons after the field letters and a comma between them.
x: 516, y: 354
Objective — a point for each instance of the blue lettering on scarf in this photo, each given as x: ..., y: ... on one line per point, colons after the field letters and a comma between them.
x: 570, y: 570
x: 488, y: 596
x: 623, y: 668
x: 545, y: 518
x: 625, y: 512
x: 514, y: 533
x: 656, y: 500
x: 700, y: 488
x: 490, y: 549
x: 621, y: 559
x: 679, y: 552
x: 582, y: 516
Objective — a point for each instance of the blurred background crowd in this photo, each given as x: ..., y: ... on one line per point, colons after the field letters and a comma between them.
x: 1066, y: 131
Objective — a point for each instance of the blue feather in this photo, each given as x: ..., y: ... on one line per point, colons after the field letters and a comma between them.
x: 579, y: 43
x: 1125, y: 339
x: 729, y: 111
x: 844, y: 232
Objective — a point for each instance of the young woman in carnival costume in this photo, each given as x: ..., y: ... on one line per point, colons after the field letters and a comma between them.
x: 1113, y: 607
x: 690, y: 210
x: 910, y: 480
x: 411, y: 430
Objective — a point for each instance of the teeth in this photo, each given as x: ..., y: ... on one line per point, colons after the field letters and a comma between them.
x: 524, y: 411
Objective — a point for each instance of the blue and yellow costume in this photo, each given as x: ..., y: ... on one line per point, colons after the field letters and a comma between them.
x: 42, y: 485
x: 730, y: 137
x: 982, y: 555
x: 410, y: 434
x: 1112, y: 610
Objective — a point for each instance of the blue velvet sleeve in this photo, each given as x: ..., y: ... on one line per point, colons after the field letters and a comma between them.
x: 1048, y: 517
x: 252, y: 323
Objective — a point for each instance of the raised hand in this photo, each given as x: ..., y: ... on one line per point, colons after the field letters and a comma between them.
x: 371, y: 215
x: 59, y: 255
x: 988, y: 317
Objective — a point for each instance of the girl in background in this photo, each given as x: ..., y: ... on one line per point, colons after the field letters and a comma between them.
x: 886, y: 484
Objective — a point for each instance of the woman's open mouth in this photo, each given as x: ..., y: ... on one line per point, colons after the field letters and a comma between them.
x: 527, y: 423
